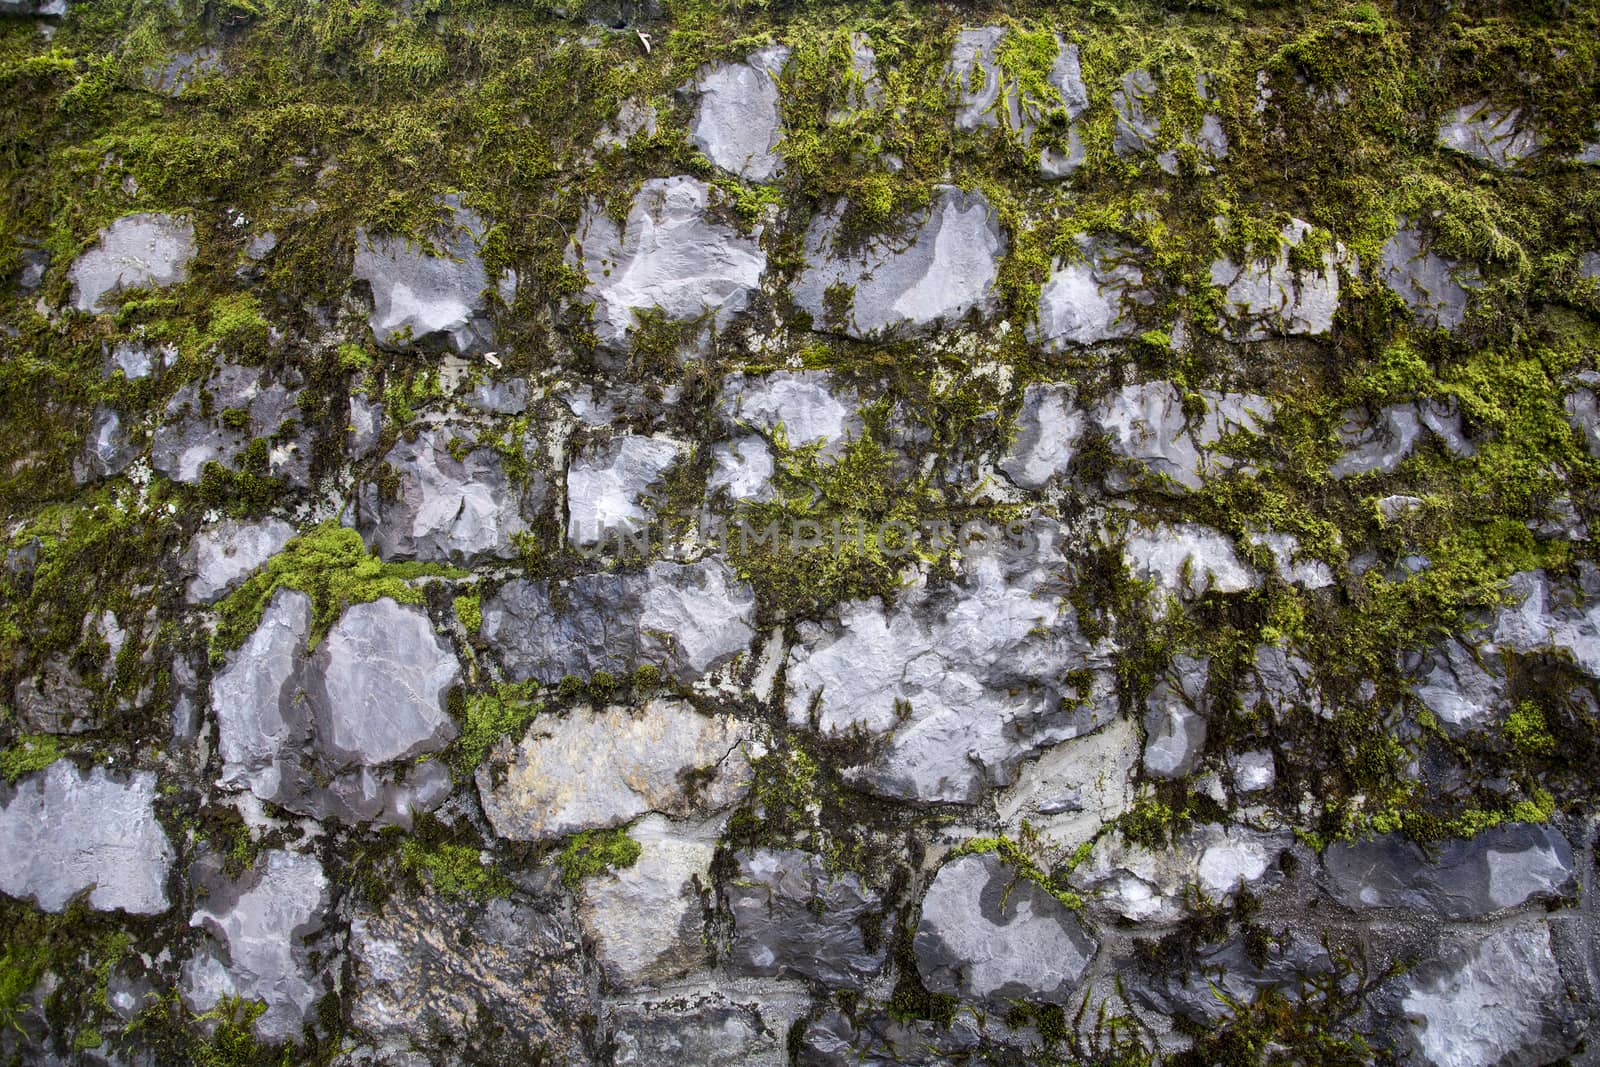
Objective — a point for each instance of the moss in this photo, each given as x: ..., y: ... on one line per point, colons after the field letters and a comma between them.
x: 453, y: 870
x: 1527, y: 731
x: 594, y: 852
x: 485, y: 719
x: 1027, y: 857
x: 469, y: 609
x: 31, y: 752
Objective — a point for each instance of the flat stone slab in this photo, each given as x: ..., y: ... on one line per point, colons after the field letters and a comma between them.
x: 1085, y: 300
x: 610, y: 487
x: 737, y: 124
x: 793, y: 917
x: 424, y: 299
x: 223, y: 556
x: 1436, y: 288
x: 1268, y: 297
x: 149, y: 250
x: 1490, y: 134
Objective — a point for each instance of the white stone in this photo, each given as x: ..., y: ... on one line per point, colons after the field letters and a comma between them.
x: 737, y: 124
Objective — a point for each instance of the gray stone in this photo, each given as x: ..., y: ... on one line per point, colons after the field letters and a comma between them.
x: 702, y: 1027
x: 1497, y: 997
x: 882, y: 1040
x: 1590, y: 152
x: 803, y: 404
x: 1489, y: 134
x: 223, y: 556
x: 1147, y: 424
x: 260, y: 246
x: 1066, y: 77
x: 261, y: 926
x: 633, y: 120
x: 1589, y: 264
x: 1376, y: 441
x: 1454, y: 685
x: 982, y: 95
x: 37, y: 8
x: 1174, y: 719
x: 1543, y: 617
x: 647, y: 921
x: 135, y: 252
x: 944, y: 266
x: 600, y: 768
x: 793, y: 917
x: 446, y: 509
x: 1153, y: 887
x: 689, y: 618
x: 668, y: 256
x: 741, y: 468
x: 174, y: 76
x: 106, y: 451
x: 737, y: 124
x: 988, y: 934
x: 429, y: 973
x: 1292, y: 567
x: 1280, y: 681
x: 1132, y: 101
x: 1254, y: 772
x: 1268, y: 296
x: 1186, y: 560
x: 425, y: 299
x: 963, y: 683
x: 56, y: 700
x: 1237, y: 971
x: 1084, y: 301
x: 137, y: 361
x: 499, y: 397
x: 1504, y: 867
x: 1436, y: 288
x: 1049, y: 428
x: 609, y: 488
x: 246, y: 403
x: 63, y: 832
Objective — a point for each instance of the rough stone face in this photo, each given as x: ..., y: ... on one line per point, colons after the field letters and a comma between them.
x: 55, y: 700
x: 1174, y: 719
x: 688, y: 618
x: 792, y: 917
x: 1146, y: 424
x: 1291, y: 565
x: 427, y: 970
x: 1453, y: 682
x: 1543, y: 616
x: 1497, y: 998
x: 1436, y: 288
x: 1255, y: 771
x: 1083, y: 302
x: 135, y: 252
x: 737, y: 122
x: 1186, y: 560
x: 425, y: 300
x: 174, y: 76
x: 223, y: 556
x: 667, y: 255
x: 987, y: 934
x: 1133, y: 100
x: 1049, y: 427
x: 449, y: 510
x: 1066, y: 77
x: 1128, y: 881
x: 601, y: 768
x: 1234, y: 969
x: 802, y: 403
x: 944, y: 267
x: 1489, y: 134
x: 107, y: 451
x: 608, y: 487
x: 62, y: 832
x: 1269, y: 296
x: 648, y: 920
x: 1376, y: 441
x: 1076, y: 787
x: 704, y: 1027
x: 837, y: 1040
x: 975, y: 68
x: 1589, y: 265
x: 261, y: 926
x: 1282, y: 680
x: 741, y: 468
x: 1503, y: 867
x: 246, y: 403
x: 137, y: 361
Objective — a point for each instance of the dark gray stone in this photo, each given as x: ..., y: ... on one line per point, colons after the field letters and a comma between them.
x: 425, y: 300
x: 246, y: 403
x: 1436, y: 288
x: 793, y: 917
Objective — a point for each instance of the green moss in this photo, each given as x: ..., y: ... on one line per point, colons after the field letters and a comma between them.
x: 1527, y: 731
x: 453, y: 870
x: 1027, y: 857
x: 594, y: 852
x: 469, y: 609
x: 485, y: 719
x: 31, y: 752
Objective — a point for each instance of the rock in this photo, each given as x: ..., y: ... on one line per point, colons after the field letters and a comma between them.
x: 882, y: 1040
x: 1186, y: 560
x: 1066, y: 77
x: 223, y: 556
x: 633, y: 120
x: 246, y: 404
x: 1269, y: 296
x: 56, y: 700
x: 704, y: 1027
x: 489, y: 982
x: 1132, y: 883
x: 1254, y: 772
x: 1240, y: 860
x: 1084, y: 301
x: 601, y: 768
x: 741, y: 468
x: 668, y: 255
x: 987, y: 934
x: 802, y: 403
x: 1076, y: 787
x: 795, y: 918
x: 1489, y: 134
x: 53, y: 9
x: 608, y: 487
x: 1174, y: 719
x: 962, y: 683
x: 174, y: 76
x: 106, y: 451
x: 1591, y: 151
x: 1498, y: 997
x: 689, y: 618
x: 980, y: 84
x: 63, y: 832
x: 1589, y: 264
x: 1281, y: 680
x: 1541, y: 617
x: 135, y: 252
x: 1503, y: 867
x: 1137, y: 129
x: 451, y: 501
x: 1238, y: 971
x: 1436, y: 288
x: 943, y: 266
x: 1147, y: 424
x: 737, y: 124
x: 1291, y: 566
x: 1452, y: 682
x: 1049, y: 428
x: 263, y: 926
x: 425, y: 300
x: 647, y: 921
x: 1376, y: 441
x: 137, y: 361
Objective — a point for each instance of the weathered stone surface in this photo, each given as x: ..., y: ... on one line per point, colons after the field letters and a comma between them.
x: 1130, y: 882
x: 1376, y: 441
x: 1174, y: 719
x: 1049, y: 427
x: 1436, y: 288
x: 262, y: 926
x: 704, y: 1027
x: 1452, y: 682
x: 1186, y: 560
x: 1238, y: 971
x: 647, y: 921
x: 983, y: 96
x: 1076, y: 787
x: 1084, y: 301
x: 56, y: 699
x: 804, y: 404
x: 609, y: 487
x: 988, y: 934
x: 427, y: 300
x: 134, y: 252
x: 1254, y: 772
x: 36, y: 8
x: 1292, y: 566
x: 737, y: 124
x: 962, y: 682
x: 174, y: 76
x: 137, y: 361
x: 1133, y: 100
x: 793, y: 917
x: 1268, y: 296
x: 688, y: 618
x: 1147, y: 424
x: 450, y: 501
x: 667, y: 256
x: 246, y: 403
x: 1503, y: 867
x: 1498, y: 997
x: 741, y: 468
x: 1489, y: 134
x: 599, y: 768
x: 1589, y: 264
x: 1066, y: 77
x: 633, y: 120
x: 944, y: 267
x: 63, y: 832
x: 221, y: 557
x: 1543, y: 616
x: 106, y: 451
x: 426, y: 970
x: 882, y: 1040
x: 1281, y: 680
